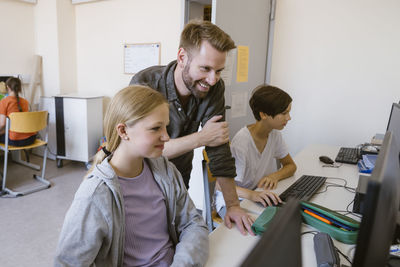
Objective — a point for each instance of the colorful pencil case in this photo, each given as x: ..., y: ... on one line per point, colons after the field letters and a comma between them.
x: 338, y: 226
x: 262, y: 222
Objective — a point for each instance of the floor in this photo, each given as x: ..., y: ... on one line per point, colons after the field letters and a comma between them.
x: 30, y: 225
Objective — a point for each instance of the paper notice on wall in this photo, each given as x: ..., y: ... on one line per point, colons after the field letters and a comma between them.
x: 140, y: 56
x: 242, y: 73
x: 239, y: 104
x: 227, y: 73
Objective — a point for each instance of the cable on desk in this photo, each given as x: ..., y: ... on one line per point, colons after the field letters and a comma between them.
x: 348, y: 206
x: 351, y: 212
x: 344, y: 255
x: 309, y: 232
x: 351, y: 189
x: 330, y: 184
x: 345, y: 212
x: 333, y: 165
x: 350, y: 250
x: 338, y: 250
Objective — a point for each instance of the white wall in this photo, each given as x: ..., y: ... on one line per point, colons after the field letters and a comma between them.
x: 340, y: 61
x: 46, y: 44
x: 103, y: 27
x: 47, y: 29
x: 67, y: 46
x: 16, y: 37
x: 82, y: 45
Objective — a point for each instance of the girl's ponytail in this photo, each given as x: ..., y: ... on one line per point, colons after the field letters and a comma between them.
x: 15, y: 85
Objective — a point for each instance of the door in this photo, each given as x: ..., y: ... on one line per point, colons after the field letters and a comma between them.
x: 247, y: 22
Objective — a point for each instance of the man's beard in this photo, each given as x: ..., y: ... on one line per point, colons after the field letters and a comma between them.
x: 191, y: 84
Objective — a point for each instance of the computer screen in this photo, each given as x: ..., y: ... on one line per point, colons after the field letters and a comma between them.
x: 381, y: 207
x: 394, y: 126
x: 394, y: 122
x: 4, y: 78
x: 282, y: 236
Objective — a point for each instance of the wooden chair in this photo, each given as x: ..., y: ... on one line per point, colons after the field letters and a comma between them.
x: 26, y: 122
x: 211, y: 216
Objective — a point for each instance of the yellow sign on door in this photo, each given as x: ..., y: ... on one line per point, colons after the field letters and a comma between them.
x: 242, y: 73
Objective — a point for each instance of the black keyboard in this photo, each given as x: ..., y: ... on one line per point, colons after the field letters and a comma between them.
x: 349, y: 155
x: 303, y: 188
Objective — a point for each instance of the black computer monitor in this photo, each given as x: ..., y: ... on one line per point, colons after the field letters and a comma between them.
x: 394, y: 122
x: 280, y: 245
x: 394, y: 126
x: 4, y: 78
x: 381, y: 207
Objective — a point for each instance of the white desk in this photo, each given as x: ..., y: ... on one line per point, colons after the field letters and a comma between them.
x: 229, y: 248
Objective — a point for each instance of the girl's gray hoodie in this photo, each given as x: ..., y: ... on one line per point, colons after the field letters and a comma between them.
x: 93, y: 233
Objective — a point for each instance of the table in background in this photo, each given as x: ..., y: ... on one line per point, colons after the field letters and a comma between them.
x: 229, y: 248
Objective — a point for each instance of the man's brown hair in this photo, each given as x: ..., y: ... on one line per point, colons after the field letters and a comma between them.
x: 197, y: 31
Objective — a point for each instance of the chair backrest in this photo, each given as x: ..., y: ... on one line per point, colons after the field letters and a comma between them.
x: 211, y: 178
x: 209, y: 187
x: 28, y: 122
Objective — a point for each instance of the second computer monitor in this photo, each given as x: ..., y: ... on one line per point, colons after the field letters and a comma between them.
x: 394, y: 122
x: 381, y: 207
x: 280, y: 245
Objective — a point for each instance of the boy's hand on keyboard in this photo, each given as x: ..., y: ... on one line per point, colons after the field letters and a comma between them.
x: 268, y: 182
x: 266, y: 198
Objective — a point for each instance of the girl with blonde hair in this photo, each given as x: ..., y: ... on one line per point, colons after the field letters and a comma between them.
x: 133, y: 208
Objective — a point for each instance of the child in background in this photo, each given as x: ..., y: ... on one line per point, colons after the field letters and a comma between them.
x: 133, y: 209
x: 256, y: 147
x: 14, y: 103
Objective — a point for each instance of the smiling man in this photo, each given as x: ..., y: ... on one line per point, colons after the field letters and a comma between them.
x: 194, y: 89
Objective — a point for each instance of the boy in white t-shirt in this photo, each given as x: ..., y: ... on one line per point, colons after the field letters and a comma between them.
x: 256, y: 147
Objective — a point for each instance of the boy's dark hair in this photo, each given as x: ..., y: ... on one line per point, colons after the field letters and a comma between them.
x: 270, y: 100
x: 197, y: 31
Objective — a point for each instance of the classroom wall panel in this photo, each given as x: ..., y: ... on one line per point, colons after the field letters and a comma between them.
x: 340, y: 61
x: 103, y: 27
x: 17, y: 37
x: 67, y: 46
x: 46, y: 44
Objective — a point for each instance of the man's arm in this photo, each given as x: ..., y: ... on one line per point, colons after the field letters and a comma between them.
x: 179, y: 146
x: 233, y: 210
x: 214, y: 133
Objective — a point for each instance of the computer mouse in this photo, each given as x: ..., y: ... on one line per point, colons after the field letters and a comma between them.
x: 326, y: 160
